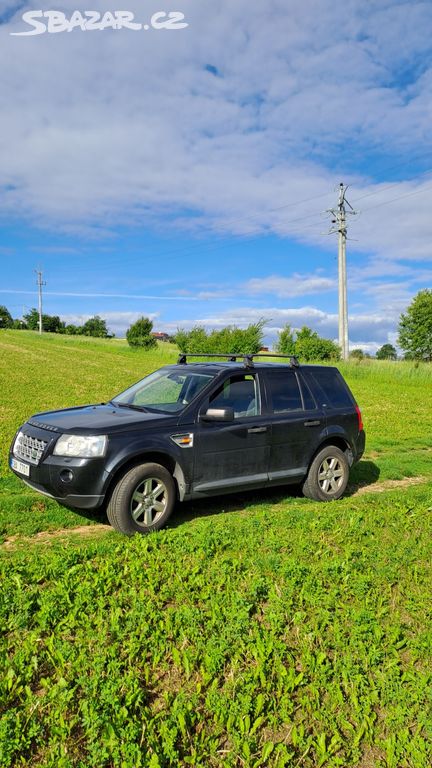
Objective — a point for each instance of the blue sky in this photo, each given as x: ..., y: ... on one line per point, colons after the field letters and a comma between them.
x: 185, y: 175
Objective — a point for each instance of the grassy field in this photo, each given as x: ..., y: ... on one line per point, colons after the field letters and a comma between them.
x: 259, y: 629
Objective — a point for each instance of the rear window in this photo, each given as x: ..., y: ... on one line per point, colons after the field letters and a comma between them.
x: 284, y: 391
x: 335, y: 391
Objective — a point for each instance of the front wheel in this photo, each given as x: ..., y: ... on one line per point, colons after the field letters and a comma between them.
x: 142, y: 500
x: 328, y: 475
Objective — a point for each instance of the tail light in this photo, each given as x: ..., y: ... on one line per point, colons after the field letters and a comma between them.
x: 359, y: 417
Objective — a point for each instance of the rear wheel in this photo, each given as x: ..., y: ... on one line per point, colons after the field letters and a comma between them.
x: 142, y: 500
x: 328, y: 475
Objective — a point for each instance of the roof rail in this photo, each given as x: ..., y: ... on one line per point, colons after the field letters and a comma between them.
x: 233, y: 357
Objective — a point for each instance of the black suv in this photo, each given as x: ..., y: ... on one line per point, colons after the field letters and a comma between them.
x: 193, y: 430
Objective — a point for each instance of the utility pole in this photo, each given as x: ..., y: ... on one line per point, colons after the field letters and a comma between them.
x: 40, y: 283
x: 340, y: 226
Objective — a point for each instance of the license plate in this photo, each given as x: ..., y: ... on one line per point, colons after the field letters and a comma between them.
x: 20, y: 467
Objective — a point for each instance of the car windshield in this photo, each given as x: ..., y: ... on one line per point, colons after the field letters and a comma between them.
x: 164, y: 391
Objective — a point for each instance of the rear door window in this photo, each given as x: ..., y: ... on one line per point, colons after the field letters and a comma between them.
x: 284, y: 391
x: 308, y: 400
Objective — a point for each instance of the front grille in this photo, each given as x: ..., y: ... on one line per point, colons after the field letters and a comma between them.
x: 29, y: 448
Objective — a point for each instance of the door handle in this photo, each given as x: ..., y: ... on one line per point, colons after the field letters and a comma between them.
x: 257, y: 429
x: 314, y: 423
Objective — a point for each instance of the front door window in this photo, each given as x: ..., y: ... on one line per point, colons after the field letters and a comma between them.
x: 239, y: 392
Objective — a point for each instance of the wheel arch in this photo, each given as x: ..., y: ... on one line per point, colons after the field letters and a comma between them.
x: 149, y: 457
x: 339, y: 442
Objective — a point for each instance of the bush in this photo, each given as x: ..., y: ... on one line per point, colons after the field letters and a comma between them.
x: 310, y: 346
x: 72, y: 330
x: 229, y: 339
x: 285, y: 344
x: 140, y: 334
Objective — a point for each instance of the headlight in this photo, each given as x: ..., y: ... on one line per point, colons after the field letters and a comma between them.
x: 81, y: 446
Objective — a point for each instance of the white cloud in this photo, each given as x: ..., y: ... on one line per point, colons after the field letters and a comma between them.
x: 161, y: 134
x: 117, y: 322
x: 285, y: 287
x: 377, y: 328
x: 116, y: 130
x: 86, y: 295
x: 294, y: 285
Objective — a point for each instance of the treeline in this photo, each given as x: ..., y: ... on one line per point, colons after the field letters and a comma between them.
x: 94, y: 326
x: 305, y: 344
x: 229, y: 339
x: 415, y: 335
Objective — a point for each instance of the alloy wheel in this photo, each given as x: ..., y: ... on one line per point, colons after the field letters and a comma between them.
x: 148, y: 502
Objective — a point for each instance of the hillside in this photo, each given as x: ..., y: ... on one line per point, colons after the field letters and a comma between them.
x: 259, y: 629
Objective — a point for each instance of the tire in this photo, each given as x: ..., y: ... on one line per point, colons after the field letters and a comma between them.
x: 143, y: 500
x: 328, y: 475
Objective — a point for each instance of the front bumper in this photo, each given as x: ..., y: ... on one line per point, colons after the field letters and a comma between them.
x: 73, y: 500
x: 74, y: 482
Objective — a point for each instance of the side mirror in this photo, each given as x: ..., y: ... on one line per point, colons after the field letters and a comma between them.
x: 218, y: 414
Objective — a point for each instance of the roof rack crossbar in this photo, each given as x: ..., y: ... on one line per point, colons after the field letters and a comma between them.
x: 234, y: 356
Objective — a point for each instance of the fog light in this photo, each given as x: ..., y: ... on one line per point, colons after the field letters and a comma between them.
x: 66, y: 475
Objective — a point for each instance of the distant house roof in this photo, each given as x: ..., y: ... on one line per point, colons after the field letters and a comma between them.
x: 160, y: 335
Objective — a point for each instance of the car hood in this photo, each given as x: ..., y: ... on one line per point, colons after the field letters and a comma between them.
x: 97, y: 419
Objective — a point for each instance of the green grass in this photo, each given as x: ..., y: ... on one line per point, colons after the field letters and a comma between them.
x: 259, y: 629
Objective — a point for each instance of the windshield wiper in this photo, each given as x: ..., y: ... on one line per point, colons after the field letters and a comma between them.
x: 129, y: 405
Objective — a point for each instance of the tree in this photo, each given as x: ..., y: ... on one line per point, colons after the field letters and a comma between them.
x: 32, y: 319
x: 386, y: 352
x: 415, y: 327
x: 285, y: 344
x: 95, y: 326
x: 52, y: 324
x: 140, y: 334
x: 357, y: 354
x: 5, y: 317
x: 310, y: 346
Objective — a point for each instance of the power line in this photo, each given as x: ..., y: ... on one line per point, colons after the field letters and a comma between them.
x: 389, y: 186
x: 253, y: 233
x: 245, y: 237
x: 410, y: 161
x: 401, y: 197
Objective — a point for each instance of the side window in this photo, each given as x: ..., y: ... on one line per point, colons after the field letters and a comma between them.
x: 239, y: 392
x: 335, y: 391
x: 309, y: 402
x: 284, y: 391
